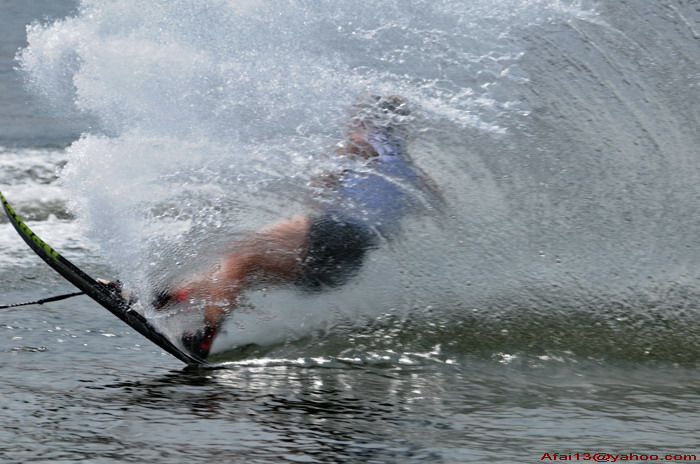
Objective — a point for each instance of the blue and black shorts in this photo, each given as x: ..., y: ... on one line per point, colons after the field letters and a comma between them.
x: 336, y: 250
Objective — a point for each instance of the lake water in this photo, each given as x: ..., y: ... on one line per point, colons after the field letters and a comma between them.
x: 550, y: 307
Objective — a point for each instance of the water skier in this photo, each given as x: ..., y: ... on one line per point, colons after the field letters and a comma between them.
x: 323, y: 251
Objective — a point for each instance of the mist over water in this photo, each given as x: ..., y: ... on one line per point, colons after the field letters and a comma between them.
x: 563, y: 139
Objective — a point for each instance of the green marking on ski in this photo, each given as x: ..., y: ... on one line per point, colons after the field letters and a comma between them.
x: 28, y: 232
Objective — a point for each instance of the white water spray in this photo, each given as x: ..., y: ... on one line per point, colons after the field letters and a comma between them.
x: 209, y: 118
